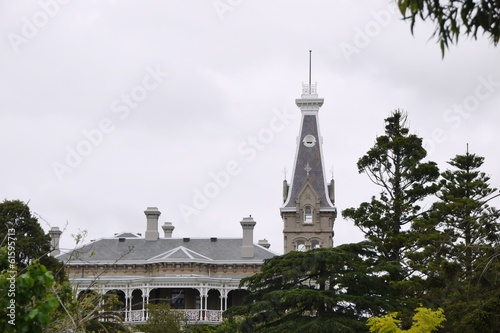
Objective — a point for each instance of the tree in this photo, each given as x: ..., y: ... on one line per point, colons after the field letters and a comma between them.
x: 26, y: 302
x: 424, y: 321
x: 395, y: 164
x: 455, y: 17
x: 321, y: 290
x: 88, y: 311
x: 163, y: 319
x: 31, y: 243
x: 461, y: 259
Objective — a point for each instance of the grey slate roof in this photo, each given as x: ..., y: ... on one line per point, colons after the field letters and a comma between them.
x: 138, y: 250
x: 311, y: 155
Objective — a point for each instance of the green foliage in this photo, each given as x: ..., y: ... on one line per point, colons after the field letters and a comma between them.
x: 455, y: 17
x: 163, y: 319
x: 460, y: 256
x: 31, y: 242
x: 395, y: 164
x: 34, y: 304
x: 4, y: 259
x: 202, y: 329
x: 230, y: 325
x: 321, y: 290
x: 424, y: 321
x: 88, y: 312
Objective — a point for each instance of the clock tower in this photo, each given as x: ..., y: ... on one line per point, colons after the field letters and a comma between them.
x: 308, y: 210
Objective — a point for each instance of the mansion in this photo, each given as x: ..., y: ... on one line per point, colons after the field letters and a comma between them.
x: 201, y: 277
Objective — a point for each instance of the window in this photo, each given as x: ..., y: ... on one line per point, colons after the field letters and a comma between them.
x: 308, y: 214
x: 301, y: 246
x: 315, y: 244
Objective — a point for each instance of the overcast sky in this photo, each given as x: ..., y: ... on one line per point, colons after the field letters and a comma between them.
x: 108, y: 107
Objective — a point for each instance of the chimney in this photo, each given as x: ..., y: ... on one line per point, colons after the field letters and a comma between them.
x: 55, y: 235
x: 264, y: 243
x: 152, y: 214
x: 168, y: 229
x: 247, y: 250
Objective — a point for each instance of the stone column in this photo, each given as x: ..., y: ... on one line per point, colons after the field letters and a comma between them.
x: 145, y: 301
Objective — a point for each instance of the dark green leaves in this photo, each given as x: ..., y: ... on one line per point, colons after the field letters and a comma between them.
x: 322, y: 290
x: 34, y: 304
x: 395, y: 164
x: 455, y: 17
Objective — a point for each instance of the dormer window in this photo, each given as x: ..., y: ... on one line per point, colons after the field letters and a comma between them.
x: 308, y: 214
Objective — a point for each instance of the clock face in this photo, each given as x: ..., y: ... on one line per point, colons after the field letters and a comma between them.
x: 309, y: 140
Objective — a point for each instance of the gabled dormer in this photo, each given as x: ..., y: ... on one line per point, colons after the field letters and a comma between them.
x: 308, y: 203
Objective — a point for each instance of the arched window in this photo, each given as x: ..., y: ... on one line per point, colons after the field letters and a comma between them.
x: 315, y: 244
x: 308, y: 214
x: 300, y: 246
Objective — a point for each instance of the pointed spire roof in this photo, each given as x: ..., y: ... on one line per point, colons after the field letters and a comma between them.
x: 308, y: 164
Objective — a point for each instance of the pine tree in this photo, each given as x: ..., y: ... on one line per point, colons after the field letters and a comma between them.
x: 462, y: 251
x: 395, y: 163
x: 321, y: 290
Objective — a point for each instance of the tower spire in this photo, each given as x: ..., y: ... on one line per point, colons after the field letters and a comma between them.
x: 308, y: 210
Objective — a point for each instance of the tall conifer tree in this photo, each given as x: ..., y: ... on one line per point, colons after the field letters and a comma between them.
x: 395, y: 164
x: 462, y: 248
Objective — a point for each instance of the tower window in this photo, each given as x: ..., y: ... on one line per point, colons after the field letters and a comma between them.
x: 315, y: 244
x: 308, y: 214
x: 300, y: 246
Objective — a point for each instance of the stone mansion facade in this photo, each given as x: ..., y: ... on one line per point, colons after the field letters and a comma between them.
x: 202, y: 276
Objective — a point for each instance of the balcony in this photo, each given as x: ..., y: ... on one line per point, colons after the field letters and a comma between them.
x: 193, y: 316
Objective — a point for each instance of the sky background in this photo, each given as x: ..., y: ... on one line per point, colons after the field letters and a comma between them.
x: 205, y: 77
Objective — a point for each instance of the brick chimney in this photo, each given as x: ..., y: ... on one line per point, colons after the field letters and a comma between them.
x: 247, y: 249
x: 152, y: 215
